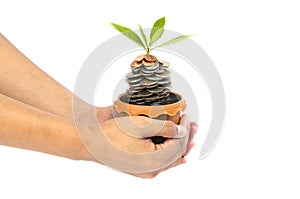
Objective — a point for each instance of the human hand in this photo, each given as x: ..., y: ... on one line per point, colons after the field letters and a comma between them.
x: 182, y: 160
x: 104, y: 113
x: 123, y: 143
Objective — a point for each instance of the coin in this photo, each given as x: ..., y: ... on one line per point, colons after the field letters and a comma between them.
x: 139, y: 58
x: 164, y: 81
x: 134, y: 89
x: 165, y: 74
x: 146, y: 73
x: 161, y: 70
x: 140, y: 103
x: 135, y: 64
x: 138, y: 87
x: 136, y: 69
x: 135, y: 95
x: 148, y: 63
x: 145, y: 93
x: 152, y: 67
x: 152, y: 98
x: 136, y: 99
x: 150, y: 58
x: 145, y: 70
x: 134, y: 79
x: 147, y: 82
x: 152, y: 78
x: 133, y: 75
x: 166, y: 85
x: 165, y: 63
x: 151, y: 86
x: 155, y: 90
x: 160, y: 61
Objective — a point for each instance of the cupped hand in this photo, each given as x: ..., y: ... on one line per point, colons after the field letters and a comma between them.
x: 130, y: 137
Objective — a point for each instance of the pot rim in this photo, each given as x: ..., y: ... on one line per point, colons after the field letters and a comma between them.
x: 151, y: 111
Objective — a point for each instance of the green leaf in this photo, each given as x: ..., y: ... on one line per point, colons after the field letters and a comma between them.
x: 174, y: 40
x: 129, y: 33
x: 143, y: 35
x: 157, y: 30
x: 160, y: 23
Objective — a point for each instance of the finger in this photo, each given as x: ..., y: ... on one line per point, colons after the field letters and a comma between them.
x: 184, y: 121
x: 193, y: 131
x: 104, y: 113
x: 178, y: 162
x: 189, y: 148
x: 194, y: 124
x: 144, y: 127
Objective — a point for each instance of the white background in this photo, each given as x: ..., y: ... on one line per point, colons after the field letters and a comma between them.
x: 255, y: 46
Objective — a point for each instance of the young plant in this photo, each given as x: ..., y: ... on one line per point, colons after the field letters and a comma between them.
x: 149, y: 80
x: 155, y: 34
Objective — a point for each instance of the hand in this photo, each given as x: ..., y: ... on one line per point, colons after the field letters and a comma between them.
x: 104, y: 113
x: 123, y: 143
x: 182, y: 160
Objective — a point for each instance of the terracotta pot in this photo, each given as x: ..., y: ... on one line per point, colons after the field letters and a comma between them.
x: 163, y: 112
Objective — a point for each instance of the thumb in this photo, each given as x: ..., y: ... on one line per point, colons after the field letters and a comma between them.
x: 144, y: 127
x: 171, y: 130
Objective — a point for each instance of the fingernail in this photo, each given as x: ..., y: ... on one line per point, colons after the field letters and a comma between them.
x: 183, y: 160
x: 195, y: 129
x: 181, y: 131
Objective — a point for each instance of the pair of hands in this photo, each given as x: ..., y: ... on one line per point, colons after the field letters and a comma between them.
x: 123, y: 142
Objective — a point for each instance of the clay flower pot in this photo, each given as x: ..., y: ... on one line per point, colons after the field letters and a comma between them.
x: 170, y: 112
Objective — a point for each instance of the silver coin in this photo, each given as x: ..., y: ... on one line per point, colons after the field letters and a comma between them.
x: 136, y: 99
x: 135, y: 85
x: 145, y: 93
x: 165, y: 63
x: 133, y: 75
x: 151, y: 86
x: 160, y: 70
x: 152, y: 78
x: 145, y: 70
x: 135, y: 95
x: 167, y: 90
x: 167, y: 87
x: 164, y: 81
x: 131, y: 90
x: 165, y: 74
x: 136, y: 69
x: 134, y: 80
x: 147, y: 82
x: 151, y: 99
x: 139, y: 87
x: 152, y: 67
x: 140, y: 103
x: 163, y: 67
x: 155, y: 89
x: 146, y: 74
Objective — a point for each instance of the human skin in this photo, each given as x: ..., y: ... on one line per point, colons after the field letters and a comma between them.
x: 38, y: 100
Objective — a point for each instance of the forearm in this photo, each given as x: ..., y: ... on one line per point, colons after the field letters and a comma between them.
x: 24, y: 81
x: 25, y: 127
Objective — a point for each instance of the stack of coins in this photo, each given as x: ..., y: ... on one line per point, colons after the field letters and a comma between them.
x: 149, y: 81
